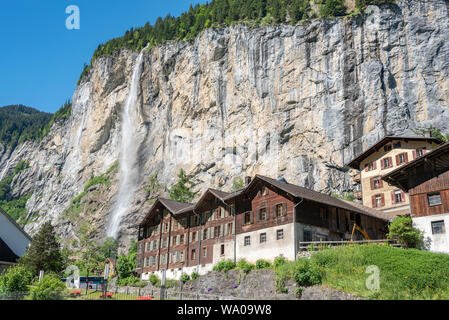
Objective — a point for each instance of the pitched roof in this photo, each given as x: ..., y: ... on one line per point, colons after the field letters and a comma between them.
x: 6, y: 254
x: 175, y: 207
x: 438, y: 157
x: 14, y: 223
x: 355, y: 163
x: 315, y: 196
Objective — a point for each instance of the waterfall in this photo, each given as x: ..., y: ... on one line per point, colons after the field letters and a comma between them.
x: 129, y: 172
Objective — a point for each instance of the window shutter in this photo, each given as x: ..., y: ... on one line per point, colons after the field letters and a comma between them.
x: 382, y: 164
x: 374, y: 165
x: 383, y: 199
x: 221, y: 230
x: 284, y: 209
x: 226, y: 229
x: 381, y: 183
x: 178, y: 239
x: 257, y: 215
x: 397, y: 160
x: 274, y: 211
x: 374, y: 201
x: 424, y: 151
x: 208, y: 233
x: 190, y: 236
x: 391, y: 161
x: 406, y: 157
x: 243, y: 218
x: 393, y: 198
x: 371, y: 182
x: 414, y: 154
x: 252, y: 217
x: 403, y: 196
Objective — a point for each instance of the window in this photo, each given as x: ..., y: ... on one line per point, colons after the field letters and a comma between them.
x: 230, y: 231
x: 370, y: 166
x: 396, y: 145
x: 387, y: 148
x: 193, y: 254
x: 181, y: 239
x: 263, y: 214
x: 376, y: 183
x: 182, y: 256
x: 265, y: 191
x: 434, y: 199
x: 401, y: 158
x: 247, y: 241
x: 194, y: 236
x: 164, y: 243
x: 387, y: 163
x: 247, y: 218
x: 307, y: 236
x: 438, y: 227
x: 280, y: 234
x: 222, y: 250
x: 378, y: 201
x: 263, y: 237
x: 420, y: 152
x: 398, y: 196
x: 205, y: 252
x: 280, y: 210
x: 205, y: 234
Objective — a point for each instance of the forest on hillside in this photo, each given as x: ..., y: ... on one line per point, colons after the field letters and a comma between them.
x: 19, y: 123
x: 221, y: 13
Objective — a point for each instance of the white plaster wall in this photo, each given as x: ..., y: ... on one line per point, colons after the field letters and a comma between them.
x: 439, y: 242
x: 13, y: 237
x: 269, y: 249
x: 175, y: 274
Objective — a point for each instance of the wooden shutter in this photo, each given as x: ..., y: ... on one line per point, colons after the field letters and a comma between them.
x: 374, y: 201
x: 252, y: 217
x: 391, y: 162
x: 381, y: 182
x: 371, y: 182
x: 208, y: 233
x: 397, y: 160
x: 190, y: 236
x: 374, y: 165
x: 424, y: 151
x: 414, y: 154
x: 178, y: 240
x: 383, y: 199
x: 382, y: 164
x: 406, y: 157
x: 221, y: 230
x: 273, y: 209
x: 393, y: 198
x: 284, y: 209
x: 403, y: 196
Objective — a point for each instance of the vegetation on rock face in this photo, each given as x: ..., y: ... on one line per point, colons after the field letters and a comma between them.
x: 238, y: 184
x: 433, y: 132
x: 224, y: 265
x: 44, y: 252
x: 14, y: 207
x: 218, y: 14
x: 401, y: 230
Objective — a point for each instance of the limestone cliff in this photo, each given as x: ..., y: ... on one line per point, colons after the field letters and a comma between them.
x: 292, y: 101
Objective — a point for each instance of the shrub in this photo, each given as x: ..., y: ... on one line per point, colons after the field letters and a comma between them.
x: 298, y: 292
x: 224, y: 265
x: 131, y: 281
x: 333, y: 8
x: 306, y: 273
x: 263, y: 264
x: 363, y: 3
x: 184, y: 278
x: 15, y: 279
x: 279, y: 261
x: 242, y: 264
x: 284, y: 272
x: 402, y: 231
x: 49, y: 288
x: 154, y: 280
x: 195, y: 275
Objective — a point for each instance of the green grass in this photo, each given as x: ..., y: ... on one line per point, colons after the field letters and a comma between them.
x: 404, y: 274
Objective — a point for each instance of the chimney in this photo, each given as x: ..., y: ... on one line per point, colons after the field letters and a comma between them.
x: 247, y: 180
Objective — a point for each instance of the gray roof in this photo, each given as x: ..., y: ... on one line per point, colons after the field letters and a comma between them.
x: 13, y: 222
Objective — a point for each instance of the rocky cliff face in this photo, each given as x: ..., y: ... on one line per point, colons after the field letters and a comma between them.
x: 291, y: 101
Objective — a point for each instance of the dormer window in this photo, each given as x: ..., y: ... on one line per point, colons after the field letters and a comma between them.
x: 265, y: 191
x: 370, y: 166
x: 396, y: 145
x: 387, y: 148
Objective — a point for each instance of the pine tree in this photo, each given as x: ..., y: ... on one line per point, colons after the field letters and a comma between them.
x: 44, y: 252
x: 181, y: 190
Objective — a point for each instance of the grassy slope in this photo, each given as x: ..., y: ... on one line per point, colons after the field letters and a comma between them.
x: 404, y: 274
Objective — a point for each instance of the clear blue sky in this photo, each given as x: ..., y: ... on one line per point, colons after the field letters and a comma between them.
x: 41, y: 60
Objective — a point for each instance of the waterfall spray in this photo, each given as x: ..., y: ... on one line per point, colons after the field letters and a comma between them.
x: 129, y: 173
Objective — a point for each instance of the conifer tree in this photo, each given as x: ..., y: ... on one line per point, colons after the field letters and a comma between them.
x: 181, y: 190
x: 44, y: 252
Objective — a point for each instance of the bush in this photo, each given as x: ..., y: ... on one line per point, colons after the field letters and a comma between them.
x: 298, y: 292
x: 131, y: 281
x: 15, y: 279
x: 154, y: 280
x: 195, y: 275
x: 363, y: 3
x: 49, y: 288
x: 402, y: 231
x: 224, y: 265
x: 263, y: 264
x: 306, y: 273
x: 243, y: 265
x: 184, y: 278
x: 279, y: 261
x: 284, y: 272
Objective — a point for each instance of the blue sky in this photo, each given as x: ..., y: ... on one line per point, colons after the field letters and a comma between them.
x: 41, y: 60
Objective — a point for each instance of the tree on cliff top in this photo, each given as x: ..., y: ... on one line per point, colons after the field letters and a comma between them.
x: 181, y: 190
x: 44, y: 252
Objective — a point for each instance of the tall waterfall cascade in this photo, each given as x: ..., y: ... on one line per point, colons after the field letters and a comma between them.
x: 129, y: 172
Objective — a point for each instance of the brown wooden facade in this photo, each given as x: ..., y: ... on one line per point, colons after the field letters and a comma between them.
x: 173, y: 238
